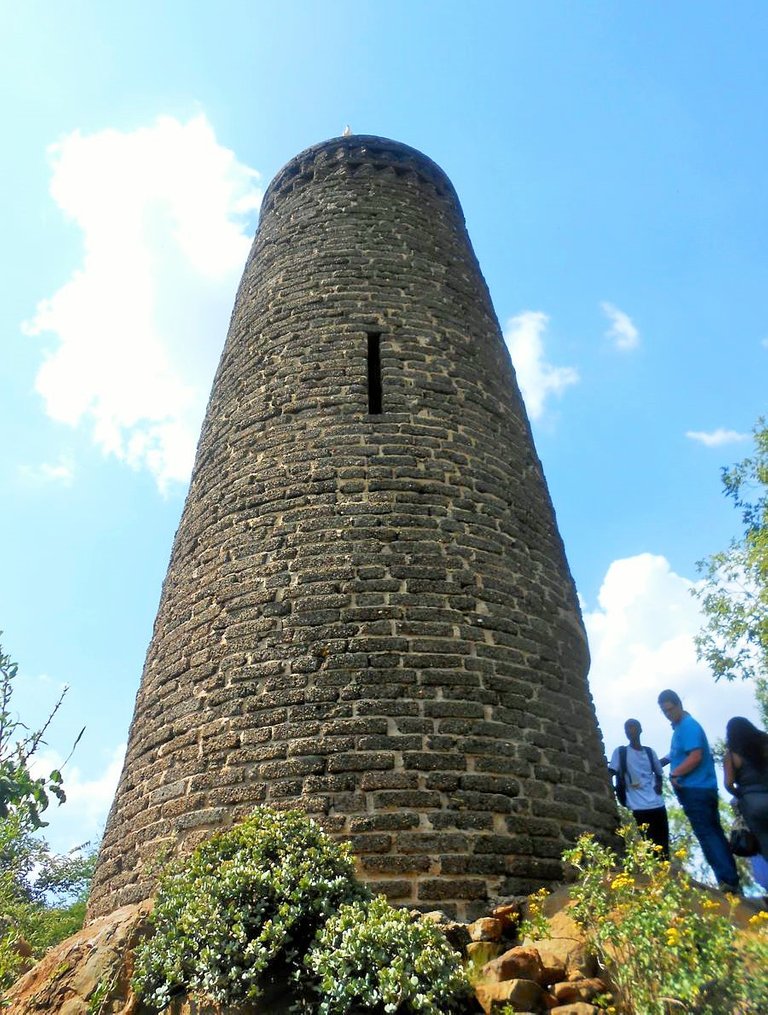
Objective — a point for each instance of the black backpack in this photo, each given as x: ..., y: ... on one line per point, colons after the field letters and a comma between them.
x: 621, y: 775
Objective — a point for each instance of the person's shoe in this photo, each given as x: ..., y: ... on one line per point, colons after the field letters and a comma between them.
x: 729, y: 889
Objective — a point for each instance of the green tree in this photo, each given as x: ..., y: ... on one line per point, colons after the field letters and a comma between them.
x: 42, y: 895
x: 734, y: 591
x: 20, y: 791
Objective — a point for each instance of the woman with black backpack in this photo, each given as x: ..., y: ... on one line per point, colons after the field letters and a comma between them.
x: 746, y: 775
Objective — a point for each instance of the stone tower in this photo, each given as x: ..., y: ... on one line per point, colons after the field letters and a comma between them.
x: 368, y: 612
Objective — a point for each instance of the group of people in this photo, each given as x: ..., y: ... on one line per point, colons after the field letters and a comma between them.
x: 638, y: 773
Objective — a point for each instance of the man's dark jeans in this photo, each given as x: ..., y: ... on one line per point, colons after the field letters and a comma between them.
x: 655, y: 821
x: 701, y: 809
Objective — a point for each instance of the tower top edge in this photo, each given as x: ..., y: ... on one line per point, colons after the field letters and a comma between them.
x: 362, y: 148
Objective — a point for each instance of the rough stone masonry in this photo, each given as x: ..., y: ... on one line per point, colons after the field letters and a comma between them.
x: 368, y: 612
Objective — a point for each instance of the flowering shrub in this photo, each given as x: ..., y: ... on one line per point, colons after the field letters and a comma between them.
x: 247, y: 900
x: 535, y: 925
x: 663, y: 940
x: 754, y: 950
x: 373, y: 957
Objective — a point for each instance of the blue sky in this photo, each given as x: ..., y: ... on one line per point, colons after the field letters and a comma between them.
x: 610, y: 159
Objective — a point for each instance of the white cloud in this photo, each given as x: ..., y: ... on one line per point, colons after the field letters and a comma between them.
x: 716, y: 438
x: 622, y: 332
x: 62, y: 471
x: 166, y: 214
x: 83, y: 816
x: 641, y: 639
x: 537, y: 378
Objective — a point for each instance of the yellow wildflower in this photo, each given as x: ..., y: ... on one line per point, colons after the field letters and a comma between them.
x: 759, y: 919
x: 622, y: 881
x: 681, y: 854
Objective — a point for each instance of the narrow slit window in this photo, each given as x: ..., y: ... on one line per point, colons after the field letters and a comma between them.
x: 374, y: 374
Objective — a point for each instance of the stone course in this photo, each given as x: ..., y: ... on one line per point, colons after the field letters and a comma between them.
x: 366, y: 615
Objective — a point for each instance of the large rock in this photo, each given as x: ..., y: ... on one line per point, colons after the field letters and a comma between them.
x: 482, y: 953
x: 570, y: 992
x: 88, y: 971
x: 520, y: 995
x: 579, y: 1008
x: 517, y: 963
x: 90, y: 974
x: 486, y: 929
x: 564, y: 958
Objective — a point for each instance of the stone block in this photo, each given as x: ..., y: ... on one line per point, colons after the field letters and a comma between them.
x: 481, y: 952
x: 486, y: 929
x: 437, y: 889
x: 520, y: 995
x: 361, y: 762
x: 516, y: 963
x: 585, y: 990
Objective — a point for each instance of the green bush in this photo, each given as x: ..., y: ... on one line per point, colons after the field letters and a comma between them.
x: 42, y: 895
x: 244, y: 904
x: 663, y: 940
x: 753, y: 948
x: 372, y: 957
x: 21, y: 793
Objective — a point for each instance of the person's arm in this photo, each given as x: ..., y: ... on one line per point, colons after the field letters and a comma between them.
x: 658, y: 773
x: 729, y: 770
x: 692, y: 760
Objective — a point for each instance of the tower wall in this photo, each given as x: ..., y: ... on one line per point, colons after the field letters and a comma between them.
x: 368, y: 616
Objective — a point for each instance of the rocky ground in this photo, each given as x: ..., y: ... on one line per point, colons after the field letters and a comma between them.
x: 90, y: 972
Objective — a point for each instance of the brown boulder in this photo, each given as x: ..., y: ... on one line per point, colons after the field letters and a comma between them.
x: 572, y: 991
x: 91, y: 967
x: 564, y: 958
x: 515, y: 964
x: 480, y: 953
x: 558, y: 910
x: 509, y: 914
x: 486, y: 929
x: 524, y: 995
x: 579, y: 1008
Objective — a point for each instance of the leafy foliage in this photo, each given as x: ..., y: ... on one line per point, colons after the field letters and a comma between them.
x: 734, y: 592
x: 373, y: 957
x: 535, y: 925
x: 245, y: 902
x: 754, y: 950
x: 42, y: 895
x: 665, y: 942
x: 276, y: 897
x: 20, y: 791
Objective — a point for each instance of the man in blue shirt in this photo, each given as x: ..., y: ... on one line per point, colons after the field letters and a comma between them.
x: 692, y: 774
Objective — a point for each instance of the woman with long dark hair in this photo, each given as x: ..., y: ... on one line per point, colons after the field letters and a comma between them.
x: 746, y: 775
